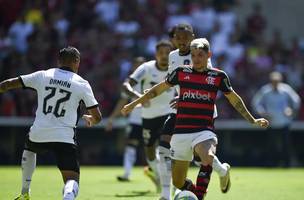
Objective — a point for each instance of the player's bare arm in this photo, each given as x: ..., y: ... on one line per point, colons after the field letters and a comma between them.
x: 129, y: 90
x: 115, y: 113
x: 150, y: 94
x: 94, y: 117
x: 237, y: 102
x: 9, y: 84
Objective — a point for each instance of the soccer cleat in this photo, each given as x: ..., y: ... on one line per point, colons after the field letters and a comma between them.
x: 151, y: 175
x: 123, y: 179
x: 25, y: 196
x: 225, y: 182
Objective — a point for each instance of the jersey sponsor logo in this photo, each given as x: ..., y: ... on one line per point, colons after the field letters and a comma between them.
x: 196, y: 95
x: 210, y: 80
x: 187, y: 77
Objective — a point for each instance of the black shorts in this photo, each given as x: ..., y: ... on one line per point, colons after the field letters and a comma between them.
x: 66, y: 154
x: 136, y: 132
x: 152, y: 129
x: 169, y: 124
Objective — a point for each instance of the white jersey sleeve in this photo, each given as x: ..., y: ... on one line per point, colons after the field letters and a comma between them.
x: 88, y: 97
x: 32, y: 80
x: 139, y: 74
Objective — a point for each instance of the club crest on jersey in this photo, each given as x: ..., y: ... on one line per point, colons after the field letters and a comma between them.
x: 210, y: 80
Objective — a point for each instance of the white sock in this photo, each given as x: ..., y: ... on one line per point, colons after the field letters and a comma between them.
x: 28, y: 165
x: 218, y: 167
x: 129, y: 160
x: 70, y: 190
x: 153, y: 165
x: 165, y: 172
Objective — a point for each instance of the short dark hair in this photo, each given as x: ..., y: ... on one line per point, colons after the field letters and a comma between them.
x: 69, y: 55
x: 183, y: 27
x: 164, y: 43
x: 171, y: 31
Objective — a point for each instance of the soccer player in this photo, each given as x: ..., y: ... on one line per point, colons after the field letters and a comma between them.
x: 194, y: 128
x: 135, y: 122
x: 59, y: 91
x: 182, y: 37
x: 155, y: 112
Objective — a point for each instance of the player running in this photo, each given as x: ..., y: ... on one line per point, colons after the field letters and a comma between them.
x: 135, y: 122
x: 194, y: 127
x: 155, y: 112
x: 182, y: 37
x: 59, y: 91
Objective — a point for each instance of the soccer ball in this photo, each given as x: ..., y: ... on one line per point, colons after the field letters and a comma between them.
x: 185, y: 195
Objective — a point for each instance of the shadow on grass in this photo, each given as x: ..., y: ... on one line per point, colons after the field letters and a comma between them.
x: 136, y: 194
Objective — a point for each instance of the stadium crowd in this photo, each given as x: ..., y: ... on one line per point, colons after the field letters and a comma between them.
x: 110, y: 33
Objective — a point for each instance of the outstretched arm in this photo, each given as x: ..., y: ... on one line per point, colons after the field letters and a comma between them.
x: 237, y: 102
x: 9, y: 84
x: 128, y: 88
x: 115, y: 113
x: 153, y: 92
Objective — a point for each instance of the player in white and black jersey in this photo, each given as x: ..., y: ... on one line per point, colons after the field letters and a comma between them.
x: 157, y: 110
x: 59, y: 91
x: 134, y: 137
x: 182, y: 37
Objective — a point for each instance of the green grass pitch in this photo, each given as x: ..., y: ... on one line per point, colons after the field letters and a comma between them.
x: 100, y: 183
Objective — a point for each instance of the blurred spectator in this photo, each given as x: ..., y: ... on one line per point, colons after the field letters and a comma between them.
x: 19, y: 32
x: 278, y: 103
x: 110, y: 33
x: 202, y: 11
x: 107, y: 11
x: 256, y: 23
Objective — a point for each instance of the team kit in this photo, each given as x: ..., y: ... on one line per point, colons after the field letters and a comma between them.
x: 171, y: 105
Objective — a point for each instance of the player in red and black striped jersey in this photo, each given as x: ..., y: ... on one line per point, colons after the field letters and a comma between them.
x: 198, y: 92
x: 194, y: 125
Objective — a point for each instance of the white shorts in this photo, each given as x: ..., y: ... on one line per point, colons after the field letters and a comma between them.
x: 182, y: 145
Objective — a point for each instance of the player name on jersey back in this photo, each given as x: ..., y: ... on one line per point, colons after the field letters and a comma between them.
x: 60, y: 83
x: 59, y: 93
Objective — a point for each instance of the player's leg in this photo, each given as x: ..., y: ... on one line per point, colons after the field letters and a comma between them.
x: 222, y: 169
x: 28, y: 165
x: 149, y: 147
x: 130, y: 151
x: 164, y: 165
x: 181, y: 155
x: 205, y: 147
x: 179, y: 175
x: 67, y: 161
x: 71, y: 184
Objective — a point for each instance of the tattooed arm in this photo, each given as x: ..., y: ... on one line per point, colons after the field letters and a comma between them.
x: 237, y: 102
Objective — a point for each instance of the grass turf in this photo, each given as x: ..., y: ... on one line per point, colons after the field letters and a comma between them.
x: 100, y: 183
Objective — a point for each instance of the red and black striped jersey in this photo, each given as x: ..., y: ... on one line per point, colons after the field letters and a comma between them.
x: 198, y: 92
